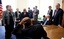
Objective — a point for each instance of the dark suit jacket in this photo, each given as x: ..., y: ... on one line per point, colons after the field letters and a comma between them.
x: 50, y: 13
x: 16, y: 14
x: 30, y: 13
x: 22, y: 15
x: 34, y: 32
x: 58, y: 17
x: 36, y: 16
x: 6, y: 18
x: 49, y: 22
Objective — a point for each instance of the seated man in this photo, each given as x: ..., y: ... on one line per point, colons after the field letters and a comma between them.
x: 44, y: 19
x: 25, y: 30
x: 48, y: 21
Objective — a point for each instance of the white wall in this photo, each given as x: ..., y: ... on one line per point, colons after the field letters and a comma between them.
x: 42, y: 5
x: 21, y: 4
x: 57, y: 1
x: 9, y: 2
x: 33, y: 3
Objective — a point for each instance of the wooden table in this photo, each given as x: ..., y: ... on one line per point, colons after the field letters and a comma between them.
x: 54, y: 32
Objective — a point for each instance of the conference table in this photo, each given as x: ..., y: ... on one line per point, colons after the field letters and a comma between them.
x: 54, y: 32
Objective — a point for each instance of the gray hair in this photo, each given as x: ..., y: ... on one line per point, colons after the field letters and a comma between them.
x: 8, y: 6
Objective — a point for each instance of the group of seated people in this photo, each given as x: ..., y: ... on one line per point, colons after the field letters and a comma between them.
x: 26, y: 28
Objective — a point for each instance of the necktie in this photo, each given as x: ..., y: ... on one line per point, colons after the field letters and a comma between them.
x: 55, y: 12
x: 45, y: 22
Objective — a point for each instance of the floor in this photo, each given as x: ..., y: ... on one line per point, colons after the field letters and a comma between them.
x: 2, y: 33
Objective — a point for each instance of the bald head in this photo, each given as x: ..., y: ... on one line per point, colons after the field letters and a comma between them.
x: 57, y: 6
x: 17, y: 9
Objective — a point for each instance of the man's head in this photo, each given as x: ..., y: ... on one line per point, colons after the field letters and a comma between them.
x: 8, y: 7
x: 50, y: 7
x: 33, y: 8
x: 24, y: 10
x: 17, y: 9
x: 28, y: 8
x: 26, y: 21
x: 44, y: 16
x: 36, y: 7
x: 57, y: 6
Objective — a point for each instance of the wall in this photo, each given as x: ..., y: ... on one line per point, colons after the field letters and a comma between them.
x: 42, y: 5
x: 9, y: 2
x: 57, y: 1
x: 21, y: 4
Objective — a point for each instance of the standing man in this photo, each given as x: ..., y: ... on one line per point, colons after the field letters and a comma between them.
x: 30, y: 13
x: 58, y: 14
x: 50, y: 12
x: 35, y: 13
x: 8, y: 21
x: 17, y: 14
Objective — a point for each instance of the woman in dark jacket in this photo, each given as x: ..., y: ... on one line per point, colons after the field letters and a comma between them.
x: 24, y: 14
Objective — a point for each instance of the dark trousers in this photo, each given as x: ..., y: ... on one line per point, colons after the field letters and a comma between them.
x: 8, y: 30
x: 20, y: 37
x: 16, y: 23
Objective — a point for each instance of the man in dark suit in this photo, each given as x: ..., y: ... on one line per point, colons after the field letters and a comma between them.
x: 48, y: 21
x: 24, y: 14
x: 8, y: 21
x: 29, y: 31
x: 30, y: 13
x: 17, y: 14
x: 50, y: 12
x: 58, y: 14
x: 35, y: 13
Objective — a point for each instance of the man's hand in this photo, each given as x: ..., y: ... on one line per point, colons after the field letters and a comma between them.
x: 60, y: 26
x: 17, y: 20
x: 4, y: 24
